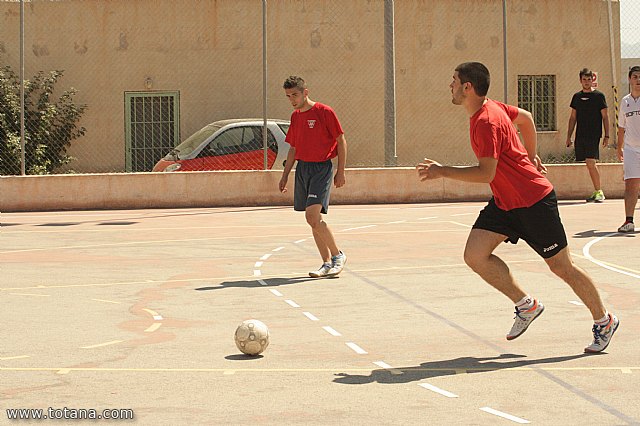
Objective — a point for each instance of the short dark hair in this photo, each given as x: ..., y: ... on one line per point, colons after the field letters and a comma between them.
x: 476, y: 74
x: 635, y: 68
x: 293, y: 81
x: 586, y: 72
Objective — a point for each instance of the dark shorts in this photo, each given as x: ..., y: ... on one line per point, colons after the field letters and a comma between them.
x: 587, y: 148
x: 538, y: 225
x: 313, y: 185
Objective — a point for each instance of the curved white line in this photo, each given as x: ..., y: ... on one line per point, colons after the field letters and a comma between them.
x: 586, y: 253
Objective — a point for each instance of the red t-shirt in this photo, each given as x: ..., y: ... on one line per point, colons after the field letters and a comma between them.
x: 313, y: 133
x: 517, y: 182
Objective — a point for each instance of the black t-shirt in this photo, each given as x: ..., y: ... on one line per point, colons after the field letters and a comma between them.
x: 588, y: 106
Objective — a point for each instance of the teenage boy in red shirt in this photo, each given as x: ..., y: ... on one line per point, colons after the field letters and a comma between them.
x: 524, y: 204
x: 316, y: 137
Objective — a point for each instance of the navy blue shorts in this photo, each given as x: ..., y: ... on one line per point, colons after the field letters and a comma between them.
x: 539, y: 225
x: 313, y: 185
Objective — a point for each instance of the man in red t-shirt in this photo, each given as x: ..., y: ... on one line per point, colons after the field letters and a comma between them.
x: 316, y: 137
x: 524, y: 204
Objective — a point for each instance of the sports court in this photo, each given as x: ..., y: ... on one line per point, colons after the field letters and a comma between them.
x: 137, y: 310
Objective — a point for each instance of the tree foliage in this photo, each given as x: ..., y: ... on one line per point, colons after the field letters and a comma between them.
x: 50, y: 123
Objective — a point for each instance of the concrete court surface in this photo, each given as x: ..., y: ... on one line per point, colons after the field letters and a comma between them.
x: 137, y: 310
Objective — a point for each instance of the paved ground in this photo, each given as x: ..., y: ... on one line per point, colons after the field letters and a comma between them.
x: 137, y: 310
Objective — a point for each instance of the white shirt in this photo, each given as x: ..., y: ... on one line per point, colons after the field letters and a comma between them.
x: 629, y: 120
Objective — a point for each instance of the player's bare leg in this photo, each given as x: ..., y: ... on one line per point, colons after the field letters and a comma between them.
x: 582, y: 285
x: 478, y: 255
x: 592, y: 167
x: 322, y: 235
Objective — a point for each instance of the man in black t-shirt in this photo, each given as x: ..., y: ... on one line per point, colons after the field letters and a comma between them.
x: 589, y: 111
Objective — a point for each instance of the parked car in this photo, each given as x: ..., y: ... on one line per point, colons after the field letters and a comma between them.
x: 229, y: 145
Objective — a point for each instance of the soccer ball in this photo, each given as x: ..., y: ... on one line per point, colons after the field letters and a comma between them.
x: 252, y: 337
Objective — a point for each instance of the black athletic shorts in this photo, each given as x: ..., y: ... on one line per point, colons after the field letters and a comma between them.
x: 587, y: 148
x: 538, y: 225
x: 313, y: 185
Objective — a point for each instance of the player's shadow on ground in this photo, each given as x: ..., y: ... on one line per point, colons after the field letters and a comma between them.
x: 592, y: 233
x: 271, y: 282
x: 429, y: 370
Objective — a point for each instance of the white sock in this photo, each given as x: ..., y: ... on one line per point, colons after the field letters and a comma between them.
x: 525, y: 303
x: 604, y: 320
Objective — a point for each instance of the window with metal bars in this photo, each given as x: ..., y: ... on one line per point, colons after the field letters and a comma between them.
x: 151, y: 127
x: 537, y: 94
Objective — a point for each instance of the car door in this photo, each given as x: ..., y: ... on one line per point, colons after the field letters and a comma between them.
x: 237, y: 148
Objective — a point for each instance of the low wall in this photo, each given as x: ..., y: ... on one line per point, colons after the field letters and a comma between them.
x: 260, y: 188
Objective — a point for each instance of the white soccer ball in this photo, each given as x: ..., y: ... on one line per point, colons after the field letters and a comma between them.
x: 252, y: 337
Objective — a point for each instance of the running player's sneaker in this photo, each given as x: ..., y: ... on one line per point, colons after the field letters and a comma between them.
x: 524, y: 318
x: 323, y: 271
x: 597, y: 196
x: 602, y: 335
x: 337, y: 264
x: 627, y: 227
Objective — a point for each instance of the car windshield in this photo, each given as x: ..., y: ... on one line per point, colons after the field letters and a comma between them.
x: 196, y: 139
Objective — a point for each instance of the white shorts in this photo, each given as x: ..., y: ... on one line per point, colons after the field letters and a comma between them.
x: 631, y: 163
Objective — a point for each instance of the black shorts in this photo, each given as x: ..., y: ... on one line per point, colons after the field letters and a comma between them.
x: 587, y: 148
x: 539, y: 225
x: 313, y: 185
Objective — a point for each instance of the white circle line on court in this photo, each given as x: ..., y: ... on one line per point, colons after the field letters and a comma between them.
x: 438, y: 390
x: 586, y: 251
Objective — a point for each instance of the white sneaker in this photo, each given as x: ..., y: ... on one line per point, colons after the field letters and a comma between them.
x: 523, y: 319
x: 337, y: 264
x: 602, y: 335
x: 627, y: 227
x: 323, y: 271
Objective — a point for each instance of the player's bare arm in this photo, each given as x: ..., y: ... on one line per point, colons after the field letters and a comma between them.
x: 339, y: 179
x: 527, y: 127
x: 484, y: 172
x: 605, y: 123
x: 288, y: 165
x: 572, y: 125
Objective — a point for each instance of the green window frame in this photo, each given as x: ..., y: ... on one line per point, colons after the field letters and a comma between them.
x: 152, y: 128
x: 537, y: 94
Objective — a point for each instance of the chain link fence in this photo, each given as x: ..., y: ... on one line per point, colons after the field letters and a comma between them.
x: 137, y: 86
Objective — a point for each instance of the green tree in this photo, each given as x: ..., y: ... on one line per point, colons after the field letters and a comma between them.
x: 50, y: 124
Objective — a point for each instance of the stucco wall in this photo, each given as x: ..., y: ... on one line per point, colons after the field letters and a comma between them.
x: 210, y: 51
x: 260, y: 188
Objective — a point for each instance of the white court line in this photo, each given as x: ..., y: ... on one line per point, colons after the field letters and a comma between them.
x: 292, y: 303
x: 386, y: 366
x: 30, y: 294
x: 331, y: 331
x: 262, y: 282
x: 357, y: 349
x: 266, y: 256
x: 463, y: 214
x: 300, y: 241
x: 14, y: 357
x: 438, y: 390
x: 277, y: 249
x: 575, y: 302
x: 156, y: 316
x: 426, y: 218
x: 276, y: 292
x: 504, y: 415
x: 257, y: 272
x: 99, y: 345
x: 358, y: 227
x: 257, y: 265
x: 586, y: 253
x: 153, y: 327
x: 461, y: 224
x: 106, y: 301
x: 310, y: 316
x: 397, y: 221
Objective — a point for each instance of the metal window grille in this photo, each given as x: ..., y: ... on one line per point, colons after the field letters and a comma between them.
x: 537, y: 94
x: 151, y: 126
